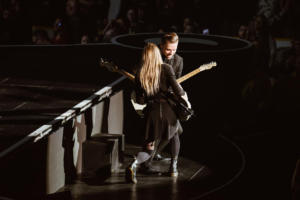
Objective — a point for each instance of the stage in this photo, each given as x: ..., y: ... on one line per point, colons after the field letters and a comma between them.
x: 55, y: 99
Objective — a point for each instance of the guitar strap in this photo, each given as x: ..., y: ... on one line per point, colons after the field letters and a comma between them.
x: 166, y: 96
x: 177, y: 106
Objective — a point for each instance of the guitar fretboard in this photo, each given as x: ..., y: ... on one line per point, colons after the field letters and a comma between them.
x: 123, y: 72
x: 192, y: 73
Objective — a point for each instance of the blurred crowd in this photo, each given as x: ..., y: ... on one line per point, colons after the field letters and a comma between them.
x: 94, y: 21
x: 274, y: 84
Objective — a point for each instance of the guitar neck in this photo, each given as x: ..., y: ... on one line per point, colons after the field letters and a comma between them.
x: 189, y: 75
x: 127, y: 74
x: 179, y: 80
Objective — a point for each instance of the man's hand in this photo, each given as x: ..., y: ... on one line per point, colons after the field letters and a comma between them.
x: 185, y: 98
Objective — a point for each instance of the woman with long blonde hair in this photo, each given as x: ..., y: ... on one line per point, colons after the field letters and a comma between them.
x: 153, y: 80
x: 150, y: 69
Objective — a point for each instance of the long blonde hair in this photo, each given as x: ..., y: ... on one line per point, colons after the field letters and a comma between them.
x: 150, y: 69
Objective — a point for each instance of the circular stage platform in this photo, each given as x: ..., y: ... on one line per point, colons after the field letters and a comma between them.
x: 188, y: 43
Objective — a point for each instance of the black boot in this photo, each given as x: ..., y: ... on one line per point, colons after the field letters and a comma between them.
x: 130, y: 172
x: 173, y: 168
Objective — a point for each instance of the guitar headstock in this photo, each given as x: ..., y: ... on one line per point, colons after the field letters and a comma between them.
x: 108, y: 64
x: 208, y: 66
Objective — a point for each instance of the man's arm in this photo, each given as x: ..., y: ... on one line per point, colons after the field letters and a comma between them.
x: 179, y: 67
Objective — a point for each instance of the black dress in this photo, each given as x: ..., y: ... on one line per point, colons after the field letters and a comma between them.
x: 160, y: 120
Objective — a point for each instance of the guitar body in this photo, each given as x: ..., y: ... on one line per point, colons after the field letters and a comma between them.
x: 137, y: 107
x: 180, y: 107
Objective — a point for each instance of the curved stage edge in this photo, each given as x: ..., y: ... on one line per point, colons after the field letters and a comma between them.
x: 198, y: 179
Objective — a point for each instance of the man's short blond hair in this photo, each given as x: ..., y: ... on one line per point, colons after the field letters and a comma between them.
x: 169, y: 37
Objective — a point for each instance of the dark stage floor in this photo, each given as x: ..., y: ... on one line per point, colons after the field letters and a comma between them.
x: 148, y: 186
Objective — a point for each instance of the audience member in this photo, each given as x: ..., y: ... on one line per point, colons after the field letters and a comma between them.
x: 131, y: 20
x: 60, y: 33
x: 73, y: 24
x: 243, y: 32
x: 40, y: 37
x: 84, y: 39
x: 14, y: 25
x: 114, y: 28
x: 263, y: 41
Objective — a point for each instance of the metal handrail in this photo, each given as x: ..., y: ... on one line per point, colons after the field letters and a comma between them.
x: 81, y: 107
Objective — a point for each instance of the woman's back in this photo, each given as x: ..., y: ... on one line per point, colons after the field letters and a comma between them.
x: 167, y: 80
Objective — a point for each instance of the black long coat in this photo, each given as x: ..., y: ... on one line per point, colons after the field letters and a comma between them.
x: 177, y: 64
x: 161, y: 121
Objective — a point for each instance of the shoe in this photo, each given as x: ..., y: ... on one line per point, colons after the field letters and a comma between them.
x: 130, y: 172
x: 173, y: 172
x: 148, y: 169
x: 159, y: 157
